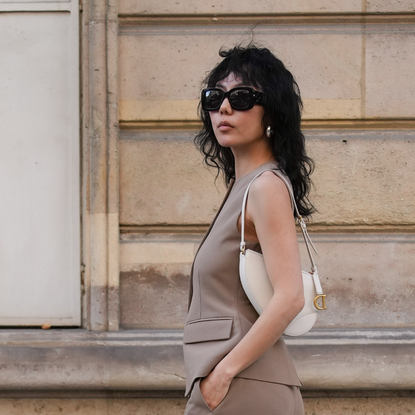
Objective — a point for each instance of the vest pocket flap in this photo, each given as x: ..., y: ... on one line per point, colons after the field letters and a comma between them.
x: 205, y: 330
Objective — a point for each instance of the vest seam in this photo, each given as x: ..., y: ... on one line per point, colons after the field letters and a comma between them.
x: 200, y: 295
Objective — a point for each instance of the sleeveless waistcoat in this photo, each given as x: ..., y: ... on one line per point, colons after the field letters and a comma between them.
x: 220, y: 313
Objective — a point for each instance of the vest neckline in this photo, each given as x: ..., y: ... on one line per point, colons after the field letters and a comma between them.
x: 264, y: 166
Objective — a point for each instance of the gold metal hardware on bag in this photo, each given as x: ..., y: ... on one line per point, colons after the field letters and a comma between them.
x: 323, y: 302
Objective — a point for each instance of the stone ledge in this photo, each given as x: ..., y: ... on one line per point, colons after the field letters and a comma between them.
x: 178, y: 394
x: 149, y: 360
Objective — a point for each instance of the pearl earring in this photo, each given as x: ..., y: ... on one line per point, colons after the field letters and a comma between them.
x: 269, y: 131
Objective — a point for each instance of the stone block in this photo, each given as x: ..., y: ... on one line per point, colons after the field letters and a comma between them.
x: 149, y: 406
x: 394, y: 6
x: 228, y: 6
x: 332, y: 108
x: 93, y: 406
x: 78, y: 360
x: 390, y: 59
x: 368, y: 280
x: 55, y: 406
x: 154, y: 296
x: 325, y: 60
x: 168, y: 249
x: 361, y: 178
x: 359, y: 406
x: 360, y: 360
x: 162, y: 181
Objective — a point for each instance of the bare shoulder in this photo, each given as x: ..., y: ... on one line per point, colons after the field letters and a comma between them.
x: 269, y: 208
x: 269, y: 188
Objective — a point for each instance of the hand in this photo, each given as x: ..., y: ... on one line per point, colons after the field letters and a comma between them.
x: 214, y: 388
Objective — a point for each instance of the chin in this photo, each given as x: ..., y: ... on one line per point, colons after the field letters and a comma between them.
x: 226, y: 143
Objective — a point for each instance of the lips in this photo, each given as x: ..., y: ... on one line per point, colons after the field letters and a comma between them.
x: 224, y: 125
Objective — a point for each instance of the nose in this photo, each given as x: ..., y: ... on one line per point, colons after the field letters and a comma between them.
x: 225, y: 107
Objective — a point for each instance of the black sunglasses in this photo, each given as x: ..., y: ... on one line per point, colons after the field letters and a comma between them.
x: 241, y: 98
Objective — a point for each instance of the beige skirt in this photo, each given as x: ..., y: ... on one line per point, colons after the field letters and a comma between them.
x: 250, y: 397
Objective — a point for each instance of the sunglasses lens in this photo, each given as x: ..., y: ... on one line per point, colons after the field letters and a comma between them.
x: 241, y: 99
x: 212, y: 99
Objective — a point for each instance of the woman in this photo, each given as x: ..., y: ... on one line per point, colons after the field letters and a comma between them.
x: 236, y: 361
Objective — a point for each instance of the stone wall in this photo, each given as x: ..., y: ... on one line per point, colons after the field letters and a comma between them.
x: 353, y: 62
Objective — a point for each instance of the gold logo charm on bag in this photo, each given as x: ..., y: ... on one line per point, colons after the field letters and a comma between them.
x: 323, y: 302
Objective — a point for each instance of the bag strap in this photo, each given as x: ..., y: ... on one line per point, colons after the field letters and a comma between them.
x: 300, y: 219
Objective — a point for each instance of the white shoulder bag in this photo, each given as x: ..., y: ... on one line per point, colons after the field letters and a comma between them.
x: 256, y: 284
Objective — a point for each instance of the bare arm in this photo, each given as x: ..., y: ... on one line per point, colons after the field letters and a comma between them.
x: 269, y: 215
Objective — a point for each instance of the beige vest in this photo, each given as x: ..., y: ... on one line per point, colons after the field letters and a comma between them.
x: 220, y: 313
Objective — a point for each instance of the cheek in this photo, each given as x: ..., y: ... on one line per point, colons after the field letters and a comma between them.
x: 257, y: 124
x: 260, y: 115
x: 212, y: 116
x: 213, y: 119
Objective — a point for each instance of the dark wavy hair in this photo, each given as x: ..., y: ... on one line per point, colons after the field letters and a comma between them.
x: 259, y: 68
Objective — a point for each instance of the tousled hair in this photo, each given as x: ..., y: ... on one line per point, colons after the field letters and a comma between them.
x: 259, y: 68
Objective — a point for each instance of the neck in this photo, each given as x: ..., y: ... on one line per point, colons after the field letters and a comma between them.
x: 247, y: 160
